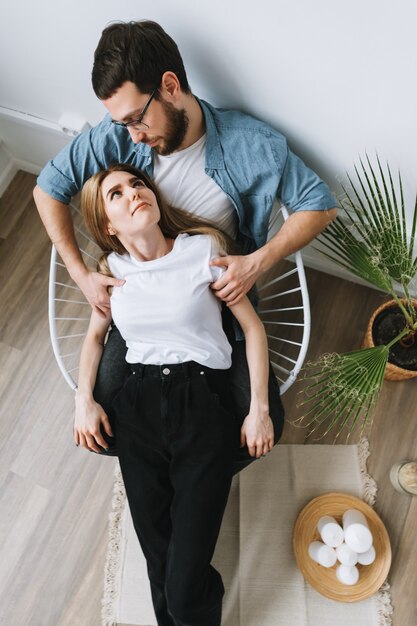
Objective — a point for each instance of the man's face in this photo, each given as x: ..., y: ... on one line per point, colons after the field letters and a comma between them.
x: 167, y: 124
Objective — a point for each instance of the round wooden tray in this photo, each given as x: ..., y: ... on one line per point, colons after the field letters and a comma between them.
x: 324, y: 579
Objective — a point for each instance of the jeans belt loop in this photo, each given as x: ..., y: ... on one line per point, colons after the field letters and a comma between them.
x: 186, y: 370
x: 137, y: 369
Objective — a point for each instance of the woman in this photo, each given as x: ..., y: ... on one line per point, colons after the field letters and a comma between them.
x: 176, y: 433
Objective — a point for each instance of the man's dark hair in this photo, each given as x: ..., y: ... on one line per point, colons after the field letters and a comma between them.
x: 139, y: 52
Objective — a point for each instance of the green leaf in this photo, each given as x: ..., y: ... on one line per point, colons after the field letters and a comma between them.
x: 343, y: 390
x: 374, y: 245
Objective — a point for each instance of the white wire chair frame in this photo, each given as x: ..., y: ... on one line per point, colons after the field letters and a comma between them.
x: 287, y: 353
x: 68, y: 309
x: 69, y: 312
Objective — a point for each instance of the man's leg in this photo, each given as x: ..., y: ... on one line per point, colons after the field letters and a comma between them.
x: 112, y: 373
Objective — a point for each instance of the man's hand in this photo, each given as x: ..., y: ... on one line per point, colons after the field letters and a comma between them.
x: 94, y: 287
x: 57, y: 219
x: 242, y: 272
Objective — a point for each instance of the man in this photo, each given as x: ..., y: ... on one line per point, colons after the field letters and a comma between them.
x: 219, y: 164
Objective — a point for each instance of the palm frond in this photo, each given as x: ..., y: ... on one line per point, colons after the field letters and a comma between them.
x: 373, y: 244
x: 359, y: 256
x: 343, y: 389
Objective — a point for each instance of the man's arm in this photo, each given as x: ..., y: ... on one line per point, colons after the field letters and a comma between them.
x: 313, y: 207
x: 60, y: 180
x: 57, y: 219
x: 243, y: 271
x: 296, y: 232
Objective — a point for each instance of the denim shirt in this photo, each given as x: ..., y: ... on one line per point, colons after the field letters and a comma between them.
x: 247, y: 158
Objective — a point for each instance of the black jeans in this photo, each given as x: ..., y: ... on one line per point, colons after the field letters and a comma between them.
x: 113, y: 371
x: 177, y: 439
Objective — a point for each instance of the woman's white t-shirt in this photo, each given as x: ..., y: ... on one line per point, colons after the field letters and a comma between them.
x: 166, y: 311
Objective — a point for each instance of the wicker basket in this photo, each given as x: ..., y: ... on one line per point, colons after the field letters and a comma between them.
x: 392, y: 372
x: 324, y: 579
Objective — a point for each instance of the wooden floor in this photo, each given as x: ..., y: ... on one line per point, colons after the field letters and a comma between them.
x: 55, y: 498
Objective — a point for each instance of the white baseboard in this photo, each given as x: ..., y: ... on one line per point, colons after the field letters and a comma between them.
x: 7, y: 175
x: 11, y: 169
x: 28, y: 144
x: 27, y: 166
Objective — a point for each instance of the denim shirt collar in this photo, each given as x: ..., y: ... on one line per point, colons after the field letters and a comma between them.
x: 214, y: 152
x: 143, y: 150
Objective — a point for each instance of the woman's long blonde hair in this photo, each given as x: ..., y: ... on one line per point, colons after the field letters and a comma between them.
x: 172, y: 222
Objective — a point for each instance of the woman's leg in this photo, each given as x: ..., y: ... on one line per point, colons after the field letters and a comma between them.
x: 144, y: 464
x: 201, y: 474
x: 178, y: 425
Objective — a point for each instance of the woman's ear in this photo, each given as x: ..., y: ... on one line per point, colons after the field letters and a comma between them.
x: 109, y: 229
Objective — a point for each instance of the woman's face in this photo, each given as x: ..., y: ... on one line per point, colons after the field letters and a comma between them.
x: 131, y: 207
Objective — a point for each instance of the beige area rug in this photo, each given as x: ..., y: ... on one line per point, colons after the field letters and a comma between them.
x: 254, y: 552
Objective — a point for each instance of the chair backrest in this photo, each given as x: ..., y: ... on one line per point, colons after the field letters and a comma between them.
x: 68, y: 310
x: 283, y: 307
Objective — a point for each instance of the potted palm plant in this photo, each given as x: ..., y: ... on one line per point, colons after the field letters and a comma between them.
x: 372, y: 240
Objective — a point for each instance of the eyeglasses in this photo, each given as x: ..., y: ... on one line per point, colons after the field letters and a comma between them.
x: 138, y: 124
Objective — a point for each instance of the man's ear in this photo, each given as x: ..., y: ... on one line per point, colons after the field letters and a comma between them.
x: 170, y: 84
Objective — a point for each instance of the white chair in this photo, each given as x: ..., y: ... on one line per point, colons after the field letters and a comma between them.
x: 283, y: 307
x: 68, y: 310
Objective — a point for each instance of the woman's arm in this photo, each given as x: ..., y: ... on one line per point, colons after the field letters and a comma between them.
x: 88, y: 414
x: 257, y: 429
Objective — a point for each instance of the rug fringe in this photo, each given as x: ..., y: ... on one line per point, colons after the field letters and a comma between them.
x: 111, y: 567
x: 385, y: 609
x: 369, y: 489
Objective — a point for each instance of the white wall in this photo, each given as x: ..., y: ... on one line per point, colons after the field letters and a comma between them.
x: 336, y: 78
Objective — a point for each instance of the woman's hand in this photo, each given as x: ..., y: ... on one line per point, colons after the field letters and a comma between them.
x: 257, y: 432
x: 88, y: 417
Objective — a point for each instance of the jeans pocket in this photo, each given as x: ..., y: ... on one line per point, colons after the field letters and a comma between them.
x: 217, y: 384
x: 125, y: 402
x: 209, y: 386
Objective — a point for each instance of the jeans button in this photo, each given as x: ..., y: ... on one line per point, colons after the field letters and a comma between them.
x: 166, y: 371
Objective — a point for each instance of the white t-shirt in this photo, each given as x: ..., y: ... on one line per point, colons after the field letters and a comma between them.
x: 166, y: 311
x: 184, y: 184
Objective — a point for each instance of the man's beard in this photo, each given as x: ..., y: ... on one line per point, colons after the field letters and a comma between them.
x: 176, y: 128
